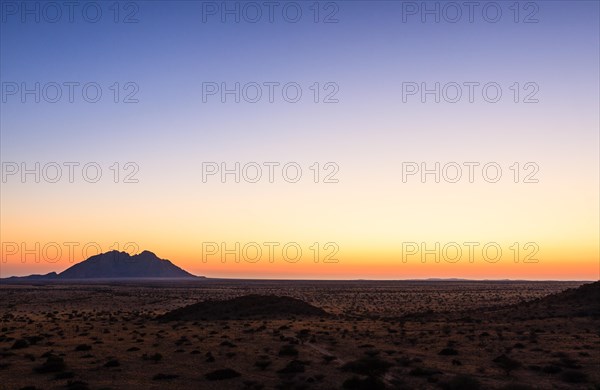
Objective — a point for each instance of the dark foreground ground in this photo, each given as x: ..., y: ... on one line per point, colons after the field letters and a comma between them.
x: 412, y: 335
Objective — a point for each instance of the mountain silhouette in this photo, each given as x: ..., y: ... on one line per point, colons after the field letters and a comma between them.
x: 117, y: 265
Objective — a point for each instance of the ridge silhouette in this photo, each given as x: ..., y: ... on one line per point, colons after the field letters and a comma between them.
x: 117, y: 265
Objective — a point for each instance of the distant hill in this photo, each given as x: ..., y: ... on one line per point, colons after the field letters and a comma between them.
x: 247, y: 306
x: 583, y: 301
x: 116, y: 265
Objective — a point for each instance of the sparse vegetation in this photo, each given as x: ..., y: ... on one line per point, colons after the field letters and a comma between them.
x: 462, y: 382
x: 112, y: 363
x: 573, y: 376
x: 506, y: 363
x: 371, y: 366
x: 293, y: 367
x: 369, y: 341
x: 448, y: 352
x: 160, y: 377
x: 288, y: 350
x: 53, y: 363
x: 225, y: 373
x: 368, y: 383
x: 20, y: 344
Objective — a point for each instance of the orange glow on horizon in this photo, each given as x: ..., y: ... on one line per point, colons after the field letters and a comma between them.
x: 352, y: 264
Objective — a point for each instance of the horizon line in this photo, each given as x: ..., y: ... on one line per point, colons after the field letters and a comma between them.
x: 204, y: 278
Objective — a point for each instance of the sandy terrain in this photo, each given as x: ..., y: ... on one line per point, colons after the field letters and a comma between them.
x: 439, y: 335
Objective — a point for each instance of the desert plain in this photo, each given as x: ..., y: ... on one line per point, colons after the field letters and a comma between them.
x: 323, y: 335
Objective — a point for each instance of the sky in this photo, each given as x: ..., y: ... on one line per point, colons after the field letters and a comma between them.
x: 118, y: 120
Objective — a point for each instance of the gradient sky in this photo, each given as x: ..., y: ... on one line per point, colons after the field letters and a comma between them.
x: 369, y: 53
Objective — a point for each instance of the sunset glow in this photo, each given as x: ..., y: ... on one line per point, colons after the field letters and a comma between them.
x: 366, y: 209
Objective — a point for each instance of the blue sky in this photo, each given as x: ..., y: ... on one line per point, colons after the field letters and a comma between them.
x: 369, y: 53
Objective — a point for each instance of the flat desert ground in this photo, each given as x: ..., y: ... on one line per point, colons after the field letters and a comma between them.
x: 392, y: 334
